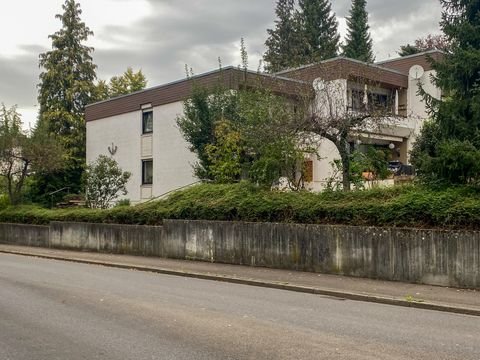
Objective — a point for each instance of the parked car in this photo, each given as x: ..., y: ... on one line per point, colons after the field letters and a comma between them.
x: 394, y: 166
x: 398, y: 168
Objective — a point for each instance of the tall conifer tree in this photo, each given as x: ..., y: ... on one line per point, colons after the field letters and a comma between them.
x: 358, y: 42
x: 66, y: 87
x: 283, y: 41
x: 458, y: 74
x: 319, y: 29
x: 448, y: 149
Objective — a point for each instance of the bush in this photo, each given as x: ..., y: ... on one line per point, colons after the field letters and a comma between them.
x: 123, y: 202
x: 412, y: 206
x: 4, y: 201
x: 104, y: 182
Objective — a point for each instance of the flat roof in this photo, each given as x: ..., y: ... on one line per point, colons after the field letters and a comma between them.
x: 292, y: 82
x: 230, y: 77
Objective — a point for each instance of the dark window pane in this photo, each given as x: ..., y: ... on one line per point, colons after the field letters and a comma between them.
x: 147, y: 172
x: 147, y: 122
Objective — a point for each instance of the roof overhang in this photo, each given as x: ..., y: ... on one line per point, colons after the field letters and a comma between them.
x: 229, y: 78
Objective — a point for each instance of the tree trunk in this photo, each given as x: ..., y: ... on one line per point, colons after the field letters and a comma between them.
x: 344, y: 149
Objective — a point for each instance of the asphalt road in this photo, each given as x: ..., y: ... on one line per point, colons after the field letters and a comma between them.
x: 57, y: 310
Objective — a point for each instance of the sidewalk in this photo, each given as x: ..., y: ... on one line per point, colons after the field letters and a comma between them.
x: 400, y: 294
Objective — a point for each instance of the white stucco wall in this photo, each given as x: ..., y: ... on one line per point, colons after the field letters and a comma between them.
x: 172, y: 161
x: 417, y: 109
x: 322, y: 165
x: 415, y: 104
x: 124, y: 131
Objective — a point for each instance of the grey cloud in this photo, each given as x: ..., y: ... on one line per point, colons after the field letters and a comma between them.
x: 196, y: 32
x: 19, y: 77
x: 189, y: 32
x: 385, y: 10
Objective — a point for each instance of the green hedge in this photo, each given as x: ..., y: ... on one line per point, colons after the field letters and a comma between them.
x: 399, y: 206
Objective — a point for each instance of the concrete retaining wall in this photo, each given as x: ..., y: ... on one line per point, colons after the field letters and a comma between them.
x: 117, y: 239
x: 24, y: 235
x: 448, y: 258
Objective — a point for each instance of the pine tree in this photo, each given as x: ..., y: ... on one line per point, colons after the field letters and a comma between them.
x: 319, y: 29
x: 459, y: 73
x: 66, y: 87
x: 407, y: 50
x: 455, y: 134
x: 282, y: 43
x: 358, y: 42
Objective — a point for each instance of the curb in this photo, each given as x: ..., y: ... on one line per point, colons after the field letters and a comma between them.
x: 264, y: 284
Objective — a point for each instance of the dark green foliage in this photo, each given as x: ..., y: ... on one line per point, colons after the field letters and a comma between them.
x: 247, y: 134
x: 319, y: 28
x: 457, y: 207
x: 23, y: 153
x: 283, y: 43
x: 407, y: 50
x: 448, y: 151
x: 201, y: 112
x: 66, y: 87
x: 358, y: 44
x: 301, y: 37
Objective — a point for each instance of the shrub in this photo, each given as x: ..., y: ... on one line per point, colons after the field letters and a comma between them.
x: 412, y: 206
x: 123, y: 202
x: 104, y: 182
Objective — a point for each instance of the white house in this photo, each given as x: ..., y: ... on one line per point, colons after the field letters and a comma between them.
x: 139, y: 130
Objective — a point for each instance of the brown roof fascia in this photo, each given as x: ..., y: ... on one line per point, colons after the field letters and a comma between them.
x: 344, y: 68
x: 229, y: 78
x: 159, y: 95
x: 403, y: 64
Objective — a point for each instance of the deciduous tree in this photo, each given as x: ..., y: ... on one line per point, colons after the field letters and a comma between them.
x: 249, y: 134
x: 430, y: 42
x: 22, y: 154
x: 124, y: 84
x: 331, y: 118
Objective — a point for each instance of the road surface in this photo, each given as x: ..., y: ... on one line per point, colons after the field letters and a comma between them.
x: 58, y: 310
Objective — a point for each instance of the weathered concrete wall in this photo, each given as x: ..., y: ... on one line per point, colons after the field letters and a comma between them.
x: 25, y: 235
x: 117, y: 239
x: 448, y: 258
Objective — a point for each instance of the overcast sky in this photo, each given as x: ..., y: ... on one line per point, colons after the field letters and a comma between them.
x: 161, y: 36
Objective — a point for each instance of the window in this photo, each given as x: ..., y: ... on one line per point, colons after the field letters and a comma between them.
x: 379, y: 102
x: 358, y: 100
x: 376, y: 102
x: 147, y: 122
x: 147, y: 172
